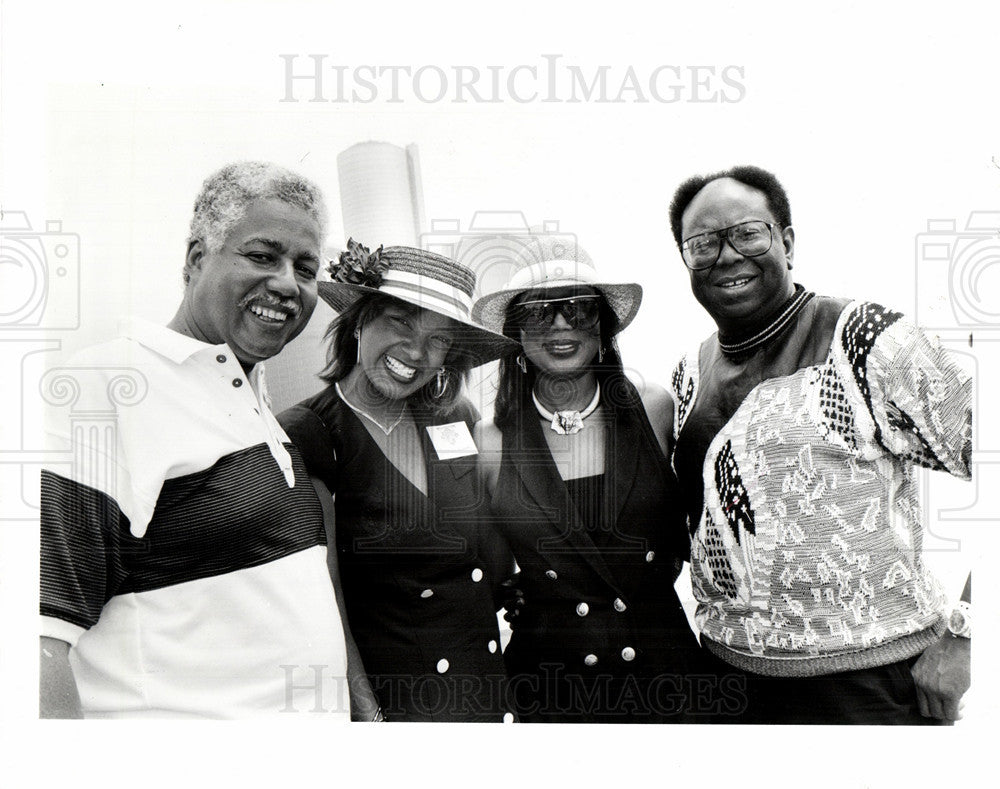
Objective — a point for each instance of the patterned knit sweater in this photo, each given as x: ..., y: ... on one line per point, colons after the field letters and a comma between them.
x: 806, y: 552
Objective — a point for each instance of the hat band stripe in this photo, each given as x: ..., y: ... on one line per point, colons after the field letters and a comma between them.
x: 429, y: 264
x: 431, y: 289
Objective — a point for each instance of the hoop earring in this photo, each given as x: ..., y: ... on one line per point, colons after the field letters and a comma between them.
x: 600, y: 354
x: 522, y: 363
x: 440, y: 385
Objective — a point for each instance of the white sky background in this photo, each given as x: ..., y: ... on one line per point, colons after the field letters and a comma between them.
x: 876, y: 121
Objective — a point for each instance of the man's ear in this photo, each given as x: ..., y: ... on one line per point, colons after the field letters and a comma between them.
x: 788, y: 239
x: 195, y: 254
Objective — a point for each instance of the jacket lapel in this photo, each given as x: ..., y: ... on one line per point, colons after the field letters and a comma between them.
x: 620, y: 463
x: 540, y: 478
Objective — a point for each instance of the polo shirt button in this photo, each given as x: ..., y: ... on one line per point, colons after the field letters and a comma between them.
x: 427, y: 593
x: 492, y: 647
x: 477, y: 575
x: 628, y: 654
x: 551, y: 574
x: 220, y: 359
x: 650, y: 556
x: 590, y: 660
x: 508, y: 717
x: 442, y: 665
x: 237, y: 382
x: 619, y: 605
x: 582, y: 609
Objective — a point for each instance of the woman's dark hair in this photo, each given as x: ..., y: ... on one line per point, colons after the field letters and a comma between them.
x: 514, y: 387
x: 342, y: 352
x: 754, y: 177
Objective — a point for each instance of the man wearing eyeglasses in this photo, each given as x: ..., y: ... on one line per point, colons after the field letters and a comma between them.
x: 797, y: 427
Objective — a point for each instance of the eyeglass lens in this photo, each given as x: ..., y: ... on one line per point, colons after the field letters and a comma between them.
x: 747, y: 238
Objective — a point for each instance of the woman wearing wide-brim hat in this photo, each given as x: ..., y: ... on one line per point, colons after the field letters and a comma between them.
x: 575, y: 464
x: 390, y: 439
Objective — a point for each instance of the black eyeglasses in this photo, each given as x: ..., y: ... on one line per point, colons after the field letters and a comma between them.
x: 580, y: 312
x: 748, y: 238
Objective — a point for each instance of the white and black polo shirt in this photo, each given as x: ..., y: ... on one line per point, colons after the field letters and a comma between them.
x: 183, y: 554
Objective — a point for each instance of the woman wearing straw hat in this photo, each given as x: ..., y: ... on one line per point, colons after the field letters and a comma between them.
x: 390, y: 439
x: 575, y: 463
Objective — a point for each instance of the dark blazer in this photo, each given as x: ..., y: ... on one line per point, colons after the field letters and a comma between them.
x: 601, y: 623
x: 419, y: 573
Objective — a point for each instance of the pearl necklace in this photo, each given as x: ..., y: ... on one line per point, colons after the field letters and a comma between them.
x: 369, y: 417
x: 567, y: 422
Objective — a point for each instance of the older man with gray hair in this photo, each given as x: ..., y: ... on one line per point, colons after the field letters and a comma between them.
x: 183, y: 553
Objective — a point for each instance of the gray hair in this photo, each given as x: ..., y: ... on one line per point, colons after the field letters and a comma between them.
x: 227, y: 193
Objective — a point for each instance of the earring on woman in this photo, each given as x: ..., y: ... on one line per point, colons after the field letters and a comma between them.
x: 600, y: 354
x: 357, y: 336
x: 522, y: 363
x: 441, y: 384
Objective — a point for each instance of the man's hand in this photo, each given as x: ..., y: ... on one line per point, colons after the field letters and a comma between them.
x: 942, y: 675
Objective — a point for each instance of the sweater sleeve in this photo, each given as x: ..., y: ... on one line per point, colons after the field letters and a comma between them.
x: 919, y: 398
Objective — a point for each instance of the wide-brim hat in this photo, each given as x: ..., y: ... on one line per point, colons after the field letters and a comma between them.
x: 547, y: 266
x: 418, y: 277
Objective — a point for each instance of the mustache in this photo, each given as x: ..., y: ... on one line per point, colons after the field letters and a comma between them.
x: 272, y: 302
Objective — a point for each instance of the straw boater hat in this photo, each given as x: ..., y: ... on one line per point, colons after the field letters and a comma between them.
x: 424, y: 279
x: 550, y: 262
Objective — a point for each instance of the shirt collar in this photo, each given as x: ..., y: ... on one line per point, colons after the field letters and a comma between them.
x: 173, y: 345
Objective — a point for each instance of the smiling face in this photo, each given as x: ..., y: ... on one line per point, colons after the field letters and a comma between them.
x: 739, y: 292
x: 402, y: 348
x: 258, y: 291
x: 558, y: 349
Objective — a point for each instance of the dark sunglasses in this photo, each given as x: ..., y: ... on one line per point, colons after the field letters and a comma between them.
x: 580, y: 312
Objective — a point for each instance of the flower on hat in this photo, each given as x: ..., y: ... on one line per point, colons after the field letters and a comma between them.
x: 359, y: 266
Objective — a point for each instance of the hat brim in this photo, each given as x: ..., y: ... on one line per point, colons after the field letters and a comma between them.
x: 479, y: 344
x: 623, y: 298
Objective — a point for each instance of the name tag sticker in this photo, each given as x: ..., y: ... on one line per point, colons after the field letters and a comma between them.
x: 452, y: 441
